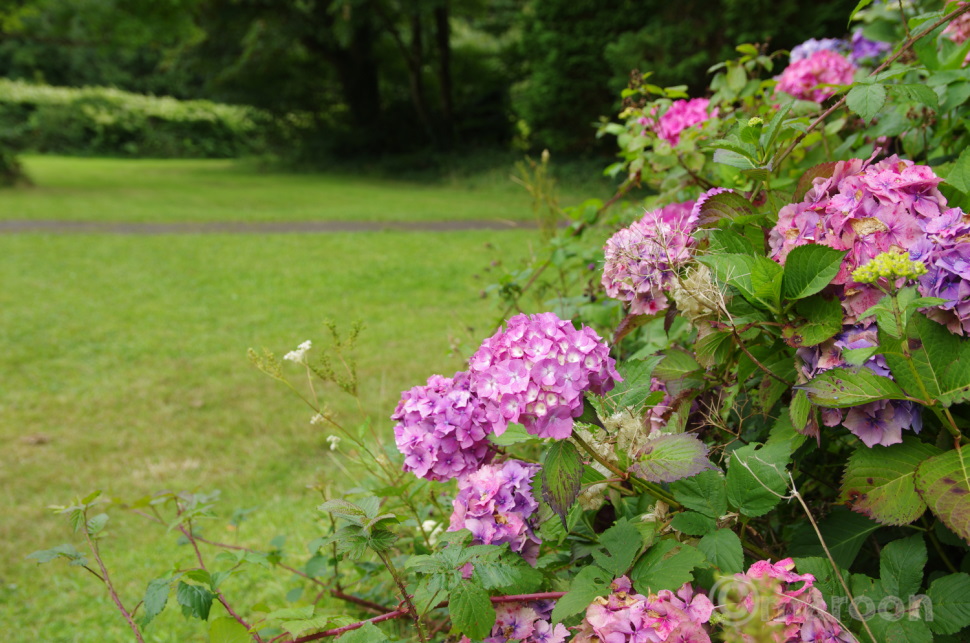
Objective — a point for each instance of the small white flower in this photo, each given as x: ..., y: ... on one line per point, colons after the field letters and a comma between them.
x: 433, y: 529
x: 317, y: 419
x: 334, y: 440
x: 299, y: 354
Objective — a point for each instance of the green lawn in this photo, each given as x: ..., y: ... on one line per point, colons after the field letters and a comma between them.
x: 124, y: 363
x: 169, y: 191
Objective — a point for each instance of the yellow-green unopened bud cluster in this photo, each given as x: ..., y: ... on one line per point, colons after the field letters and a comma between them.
x: 890, y: 266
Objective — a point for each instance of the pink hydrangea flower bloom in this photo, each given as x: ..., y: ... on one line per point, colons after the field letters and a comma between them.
x: 536, y: 370
x: 643, y: 260
x: 865, y: 209
x: 496, y: 505
x: 798, y: 609
x: 442, y: 428
x: 665, y: 617
x: 802, y: 78
x: 679, y: 116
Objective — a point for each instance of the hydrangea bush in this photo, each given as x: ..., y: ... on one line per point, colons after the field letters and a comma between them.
x: 739, y: 416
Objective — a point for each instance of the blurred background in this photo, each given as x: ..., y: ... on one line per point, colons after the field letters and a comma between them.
x: 146, y: 145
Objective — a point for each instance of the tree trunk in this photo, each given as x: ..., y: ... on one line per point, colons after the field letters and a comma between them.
x: 443, y: 44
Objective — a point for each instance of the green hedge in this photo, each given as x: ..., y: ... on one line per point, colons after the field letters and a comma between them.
x: 105, y: 121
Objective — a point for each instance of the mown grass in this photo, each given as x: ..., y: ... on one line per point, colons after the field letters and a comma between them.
x: 188, y: 191
x: 124, y: 369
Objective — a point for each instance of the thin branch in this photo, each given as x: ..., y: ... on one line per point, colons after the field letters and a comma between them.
x: 107, y: 581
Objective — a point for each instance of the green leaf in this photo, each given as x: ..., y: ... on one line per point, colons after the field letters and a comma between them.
x: 706, y: 492
x: 825, y: 579
x: 228, y: 630
x: 156, y: 596
x: 784, y: 432
x: 959, y: 176
x: 723, y: 550
x: 843, y: 531
x: 950, y: 598
x: 675, y: 365
x: 562, y: 476
x: 862, y: 4
x: 841, y: 388
x: 918, y: 93
x: 733, y: 159
x: 634, y: 390
x: 66, y: 551
x: 96, y: 524
x: 693, y: 523
x: 901, y: 564
x: 471, y: 610
x: 724, y: 206
x: 824, y: 321
x: 728, y: 241
x: 810, y: 268
x: 194, y: 599
x: 757, y: 478
x: 798, y: 411
x: 773, y: 127
x: 513, y: 434
x: 369, y: 633
x: 622, y: 542
x: 670, y: 457
x: 757, y: 278
x: 939, y: 362
x: 667, y: 565
x: 879, y: 482
x: 590, y: 582
x: 943, y: 482
x: 866, y: 100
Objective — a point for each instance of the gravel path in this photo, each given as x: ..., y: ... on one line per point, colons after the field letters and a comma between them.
x: 228, y: 227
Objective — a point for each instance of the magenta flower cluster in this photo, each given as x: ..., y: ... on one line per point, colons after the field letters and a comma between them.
x: 527, y: 622
x: 798, y: 610
x: 881, y: 422
x: 535, y: 372
x: 679, y: 116
x: 644, y: 259
x: 625, y: 616
x: 865, y: 209
x: 496, y: 505
x: 442, y: 428
x: 802, y: 78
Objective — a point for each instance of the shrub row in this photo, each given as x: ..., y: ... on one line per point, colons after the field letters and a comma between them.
x: 101, y: 120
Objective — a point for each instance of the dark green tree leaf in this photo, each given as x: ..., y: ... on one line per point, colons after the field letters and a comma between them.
x: 668, y: 564
x: 705, y: 492
x: 866, y: 100
x: 622, y: 542
x: 950, y: 599
x: 943, y: 482
x: 590, y: 582
x: 757, y: 478
x: 841, y: 388
x: 562, y: 475
x: 471, y: 610
x: 810, y: 268
x: 156, y: 596
x: 879, y: 482
x: 723, y: 550
x: 693, y: 523
x: 901, y: 565
x: 194, y: 599
x: 843, y: 531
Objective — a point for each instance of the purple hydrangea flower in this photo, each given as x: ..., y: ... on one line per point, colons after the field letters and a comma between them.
x: 679, y: 116
x: 881, y: 422
x: 802, y: 78
x: 946, y: 253
x: 663, y: 617
x: 536, y: 370
x: 643, y: 260
x: 496, y: 505
x: 865, y: 50
x: 959, y: 30
x: 442, y: 428
x: 526, y: 622
x: 812, y: 45
x: 866, y: 209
